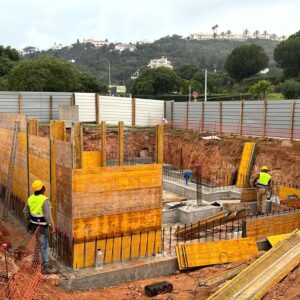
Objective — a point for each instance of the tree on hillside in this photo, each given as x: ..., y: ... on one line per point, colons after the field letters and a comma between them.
x: 187, y: 72
x: 245, y: 61
x: 287, y: 55
x: 50, y: 74
x: 156, y: 82
x: 260, y: 89
x: 290, y: 89
x: 8, y: 58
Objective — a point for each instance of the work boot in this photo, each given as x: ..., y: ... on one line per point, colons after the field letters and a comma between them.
x: 48, y: 269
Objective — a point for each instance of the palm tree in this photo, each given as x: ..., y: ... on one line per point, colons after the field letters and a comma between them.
x: 265, y: 33
x: 222, y: 34
x: 228, y: 32
x: 246, y: 33
x: 273, y: 36
x: 256, y: 34
x: 214, y: 29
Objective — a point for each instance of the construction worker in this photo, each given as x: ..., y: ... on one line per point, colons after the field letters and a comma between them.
x: 262, y: 182
x: 37, y: 213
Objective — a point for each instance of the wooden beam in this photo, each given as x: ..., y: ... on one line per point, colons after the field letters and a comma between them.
x: 121, y: 143
x: 241, y: 118
x: 57, y: 133
x: 264, y: 119
x: 20, y: 103
x: 97, y: 108
x: 50, y: 108
x: 73, y: 101
x: 103, y: 143
x: 159, y: 144
x: 292, y: 119
x: 77, y: 145
x: 220, y: 117
x: 133, y: 112
x: 33, y: 127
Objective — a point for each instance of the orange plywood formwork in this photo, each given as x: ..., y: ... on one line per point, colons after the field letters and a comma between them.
x: 285, y: 192
x: 262, y: 227
x: 246, y: 164
x: 91, y: 159
x: 211, y: 253
x: 248, y: 195
x: 264, y: 273
x: 291, y: 203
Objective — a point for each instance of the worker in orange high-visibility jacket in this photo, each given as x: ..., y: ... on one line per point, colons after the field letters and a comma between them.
x: 262, y: 182
x: 37, y: 213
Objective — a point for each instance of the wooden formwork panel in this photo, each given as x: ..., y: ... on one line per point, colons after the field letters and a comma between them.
x: 112, y: 202
x: 39, y: 167
x: 91, y: 159
x: 211, y: 253
x: 64, y: 223
x: 7, y: 120
x: 63, y: 153
x: 64, y: 191
x: 284, y: 191
x: 117, y: 224
x: 271, y: 225
x: 39, y: 146
x: 122, y: 248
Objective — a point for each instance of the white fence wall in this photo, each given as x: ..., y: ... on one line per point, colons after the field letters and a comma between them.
x: 115, y: 109
x: 87, y: 108
x: 148, y: 112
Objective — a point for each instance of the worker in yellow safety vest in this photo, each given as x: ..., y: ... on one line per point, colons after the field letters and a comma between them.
x: 262, y: 182
x: 37, y: 213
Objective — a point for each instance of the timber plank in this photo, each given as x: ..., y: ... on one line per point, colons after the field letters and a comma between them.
x: 40, y: 167
x: 63, y: 153
x: 39, y: 146
x: 220, y: 252
x: 117, y: 223
x: 91, y: 159
x: 112, y: 202
x: 63, y: 190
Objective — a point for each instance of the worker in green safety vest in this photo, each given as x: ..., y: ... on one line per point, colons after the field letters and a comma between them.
x: 262, y: 182
x: 37, y: 213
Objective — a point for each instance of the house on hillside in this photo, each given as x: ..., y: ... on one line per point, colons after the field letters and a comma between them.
x: 121, y: 47
x: 160, y: 62
x: 96, y: 43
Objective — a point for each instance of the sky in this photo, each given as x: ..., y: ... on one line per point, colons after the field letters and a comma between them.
x: 42, y: 23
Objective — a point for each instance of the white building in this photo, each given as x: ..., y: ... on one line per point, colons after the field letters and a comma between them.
x: 96, y: 43
x: 56, y: 47
x: 121, y: 47
x: 160, y: 62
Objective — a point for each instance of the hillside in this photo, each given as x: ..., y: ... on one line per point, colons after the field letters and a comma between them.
x: 209, y: 54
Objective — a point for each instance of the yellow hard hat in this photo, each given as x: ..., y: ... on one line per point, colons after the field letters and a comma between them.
x: 264, y: 168
x: 37, y: 185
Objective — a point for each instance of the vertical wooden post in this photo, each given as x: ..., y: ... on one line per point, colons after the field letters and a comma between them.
x: 165, y: 109
x: 50, y: 108
x: 33, y: 127
x: 264, y: 119
x: 133, y: 111
x: 202, y: 116
x: 220, y: 117
x: 103, y: 143
x: 187, y: 116
x: 292, y: 119
x: 97, y: 108
x: 172, y: 114
x: 20, y: 104
x: 159, y: 144
x: 241, y: 118
x: 57, y: 133
x: 73, y: 101
x: 77, y: 145
x: 121, y: 143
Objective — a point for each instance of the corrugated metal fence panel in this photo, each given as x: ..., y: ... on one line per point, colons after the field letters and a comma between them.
x: 36, y: 105
x: 168, y: 110
x: 87, y: 106
x: 9, y: 102
x: 148, y: 112
x: 211, y: 116
x: 296, y: 131
x: 278, y: 118
x: 60, y: 99
x: 194, y: 114
x: 179, y: 115
x: 231, y: 117
x: 115, y: 109
x: 253, y: 118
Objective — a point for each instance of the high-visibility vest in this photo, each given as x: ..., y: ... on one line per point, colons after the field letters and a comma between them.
x: 264, y: 179
x: 35, y: 204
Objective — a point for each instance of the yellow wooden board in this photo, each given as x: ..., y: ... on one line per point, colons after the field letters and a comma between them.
x: 274, y: 239
x: 245, y: 164
x: 40, y: 167
x: 219, y: 252
x: 117, y: 249
x: 117, y: 223
x: 284, y: 191
x: 91, y: 159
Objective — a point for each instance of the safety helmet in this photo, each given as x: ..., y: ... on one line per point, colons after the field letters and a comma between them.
x: 264, y: 168
x: 37, y: 185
